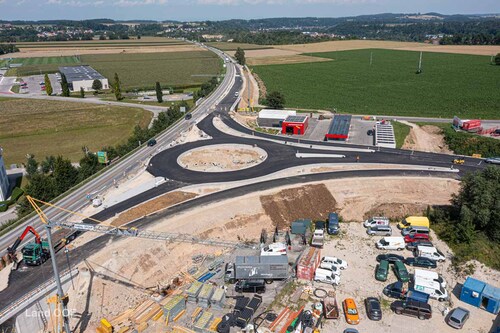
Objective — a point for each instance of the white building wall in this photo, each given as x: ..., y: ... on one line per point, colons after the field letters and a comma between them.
x: 4, y: 181
x: 87, y: 85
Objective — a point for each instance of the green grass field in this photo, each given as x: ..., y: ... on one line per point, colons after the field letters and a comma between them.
x: 33, y: 66
x: 451, y: 84
x: 225, y: 46
x: 63, y: 128
x: 401, y: 131
x: 141, y: 71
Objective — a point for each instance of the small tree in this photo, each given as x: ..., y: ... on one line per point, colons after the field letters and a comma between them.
x: 240, y: 56
x: 497, y: 59
x: 64, y: 86
x: 48, y: 85
x: 96, y: 85
x: 82, y: 92
x: 275, y: 100
x: 159, y: 93
x: 117, y: 89
x: 102, y: 37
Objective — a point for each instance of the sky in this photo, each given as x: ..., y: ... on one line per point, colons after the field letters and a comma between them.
x: 185, y: 10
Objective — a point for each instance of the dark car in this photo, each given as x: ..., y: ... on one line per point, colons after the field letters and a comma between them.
x: 370, y: 132
x: 413, y: 309
x: 188, y: 116
x: 421, y: 262
x: 250, y: 286
x: 413, y: 245
x: 395, y: 290
x: 333, y: 224
x: 401, y: 271
x: 458, y: 317
x: 390, y: 257
x: 151, y: 142
x: 319, y: 225
x: 373, y: 309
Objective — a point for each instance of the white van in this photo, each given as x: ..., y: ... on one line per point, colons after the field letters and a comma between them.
x: 432, y: 288
x: 274, y: 249
x: 391, y: 243
x: 376, y: 220
x: 429, y: 252
x: 429, y: 275
x: 326, y: 276
x: 328, y: 266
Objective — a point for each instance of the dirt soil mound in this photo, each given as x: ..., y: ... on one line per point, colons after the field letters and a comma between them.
x: 396, y: 211
x: 152, y: 206
x: 426, y: 138
x: 311, y: 201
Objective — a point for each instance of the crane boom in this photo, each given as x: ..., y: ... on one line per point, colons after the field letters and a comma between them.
x: 136, y: 233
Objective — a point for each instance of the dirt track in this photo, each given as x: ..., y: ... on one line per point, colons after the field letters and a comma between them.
x: 426, y: 138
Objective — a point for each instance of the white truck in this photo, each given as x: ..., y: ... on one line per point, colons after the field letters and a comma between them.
x: 429, y: 252
x: 429, y: 275
x: 391, y: 243
x: 326, y: 276
x: 432, y: 288
x: 318, y: 238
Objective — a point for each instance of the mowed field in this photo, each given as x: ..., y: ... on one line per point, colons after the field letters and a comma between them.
x: 138, y: 71
x: 451, y: 84
x: 56, y: 128
x: 32, y: 66
x: 225, y: 46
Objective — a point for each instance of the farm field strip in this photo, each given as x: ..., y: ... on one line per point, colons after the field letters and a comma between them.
x: 224, y: 46
x: 451, y: 84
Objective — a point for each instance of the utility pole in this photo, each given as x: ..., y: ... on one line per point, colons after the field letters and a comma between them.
x: 419, y: 70
x: 63, y: 299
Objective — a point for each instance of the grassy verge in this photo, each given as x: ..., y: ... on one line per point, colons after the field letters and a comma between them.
x: 463, y: 143
x: 401, y: 131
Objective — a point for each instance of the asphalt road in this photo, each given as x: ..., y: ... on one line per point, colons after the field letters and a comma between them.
x: 77, y: 199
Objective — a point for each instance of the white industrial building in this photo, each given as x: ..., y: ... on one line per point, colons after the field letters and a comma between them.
x: 82, y: 76
x: 384, y: 135
x: 273, y: 118
x: 4, y: 181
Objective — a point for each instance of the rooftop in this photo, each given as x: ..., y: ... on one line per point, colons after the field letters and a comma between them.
x: 296, y: 119
x: 80, y: 73
x: 340, y: 124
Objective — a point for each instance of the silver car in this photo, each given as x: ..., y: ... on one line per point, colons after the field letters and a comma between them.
x: 493, y: 160
x: 379, y: 230
x: 458, y: 317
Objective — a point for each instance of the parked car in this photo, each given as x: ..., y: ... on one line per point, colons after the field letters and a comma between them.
x: 350, y: 311
x: 401, y: 271
x: 382, y: 271
x: 329, y: 266
x: 421, y: 262
x: 416, y: 237
x: 373, y: 308
x: 395, y: 290
x: 333, y: 227
x: 493, y: 160
x: 342, y: 264
x: 351, y: 330
x: 458, y: 317
x: 151, y: 142
x: 250, y: 286
x: 411, y: 230
x: 379, y: 230
x: 326, y: 276
x: 319, y: 225
x: 188, y: 116
x: 413, y: 245
x: 413, y: 309
x: 376, y: 220
x: 390, y: 257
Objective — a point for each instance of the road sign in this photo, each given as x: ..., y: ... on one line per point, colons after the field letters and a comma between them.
x: 102, y: 157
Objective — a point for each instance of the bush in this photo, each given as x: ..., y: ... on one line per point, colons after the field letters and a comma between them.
x: 467, y: 143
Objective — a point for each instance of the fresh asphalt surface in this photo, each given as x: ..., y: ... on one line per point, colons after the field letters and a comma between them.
x: 280, y: 156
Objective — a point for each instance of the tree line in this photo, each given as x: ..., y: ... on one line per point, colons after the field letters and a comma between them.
x: 8, y: 48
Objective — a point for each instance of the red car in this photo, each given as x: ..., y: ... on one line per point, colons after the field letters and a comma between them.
x: 416, y: 237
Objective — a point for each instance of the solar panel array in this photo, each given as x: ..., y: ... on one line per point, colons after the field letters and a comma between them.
x: 80, y: 73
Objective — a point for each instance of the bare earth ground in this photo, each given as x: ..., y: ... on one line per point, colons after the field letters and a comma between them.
x: 148, y: 263
x: 55, y: 52
x: 426, y: 138
x: 220, y: 158
x: 286, y: 59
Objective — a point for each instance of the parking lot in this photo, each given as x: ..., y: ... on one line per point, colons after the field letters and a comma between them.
x: 34, y: 85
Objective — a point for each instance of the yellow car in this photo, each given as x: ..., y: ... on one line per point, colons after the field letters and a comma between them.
x: 458, y: 161
x: 350, y: 311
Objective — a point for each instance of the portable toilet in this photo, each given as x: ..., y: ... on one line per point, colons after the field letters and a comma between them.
x: 471, y: 291
x: 481, y: 295
x: 490, y: 299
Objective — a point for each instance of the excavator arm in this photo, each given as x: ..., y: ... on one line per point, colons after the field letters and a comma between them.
x: 12, y: 250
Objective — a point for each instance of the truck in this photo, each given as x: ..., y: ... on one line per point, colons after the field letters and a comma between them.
x: 468, y: 125
x: 269, y: 268
x: 318, y: 238
x: 391, y: 243
x: 432, y: 288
